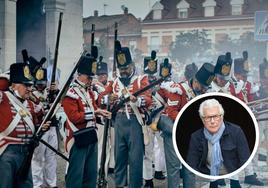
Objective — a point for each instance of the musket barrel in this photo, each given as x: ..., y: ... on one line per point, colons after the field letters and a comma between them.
x: 54, y: 68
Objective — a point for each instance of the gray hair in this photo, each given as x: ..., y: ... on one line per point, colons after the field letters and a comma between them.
x: 208, y: 104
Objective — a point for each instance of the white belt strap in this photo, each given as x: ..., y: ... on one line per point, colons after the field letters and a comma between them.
x: 121, y: 88
x: 73, y: 128
x: 189, y: 91
x: 85, y: 97
x: 19, y: 106
x: 159, y: 100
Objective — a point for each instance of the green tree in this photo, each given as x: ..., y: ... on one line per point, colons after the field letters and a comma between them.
x: 188, y: 45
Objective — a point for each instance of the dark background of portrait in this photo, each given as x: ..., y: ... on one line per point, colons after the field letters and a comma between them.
x: 190, y: 121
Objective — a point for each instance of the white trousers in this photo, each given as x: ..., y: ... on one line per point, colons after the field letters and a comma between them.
x: 159, y: 155
x: 44, y: 162
x: 154, y: 153
x: 148, y: 158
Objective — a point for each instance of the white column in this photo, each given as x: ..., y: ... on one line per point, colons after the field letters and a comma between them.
x: 52, y: 9
x: 7, y: 33
x: 71, y: 38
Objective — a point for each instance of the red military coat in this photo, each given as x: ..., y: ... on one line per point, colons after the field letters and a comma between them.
x: 74, y: 107
x: 136, y: 83
x: 175, y: 98
x: 244, y: 92
x: 15, y: 130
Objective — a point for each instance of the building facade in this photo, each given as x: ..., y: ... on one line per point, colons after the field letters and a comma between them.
x: 32, y: 25
x: 129, y: 33
x: 219, y: 18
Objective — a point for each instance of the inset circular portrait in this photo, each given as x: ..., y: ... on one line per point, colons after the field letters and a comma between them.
x: 215, y: 135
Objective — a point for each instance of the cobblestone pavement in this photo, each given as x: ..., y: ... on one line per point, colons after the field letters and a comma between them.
x: 261, y: 170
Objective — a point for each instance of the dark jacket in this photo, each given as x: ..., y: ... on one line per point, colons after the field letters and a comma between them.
x: 234, y: 148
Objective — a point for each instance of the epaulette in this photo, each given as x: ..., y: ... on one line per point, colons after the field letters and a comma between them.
x: 72, y: 94
x: 172, y: 87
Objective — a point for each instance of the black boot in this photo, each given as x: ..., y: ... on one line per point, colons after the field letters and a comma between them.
x: 149, y: 184
x: 159, y: 175
x: 235, y: 184
x: 253, y: 180
x: 213, y: 184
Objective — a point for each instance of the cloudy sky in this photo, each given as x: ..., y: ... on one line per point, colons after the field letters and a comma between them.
x: 140, y: 8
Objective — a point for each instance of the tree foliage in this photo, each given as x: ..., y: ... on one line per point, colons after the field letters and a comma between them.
x: 256, y: 49
x: 190, y: 44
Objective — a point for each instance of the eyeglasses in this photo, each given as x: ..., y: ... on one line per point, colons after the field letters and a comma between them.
x: 209, y: 118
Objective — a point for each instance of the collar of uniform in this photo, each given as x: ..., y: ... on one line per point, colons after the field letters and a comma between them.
x: 16, y: 95
x: 80, y: 84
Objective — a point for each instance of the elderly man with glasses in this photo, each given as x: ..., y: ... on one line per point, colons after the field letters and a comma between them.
x: 220, y: 147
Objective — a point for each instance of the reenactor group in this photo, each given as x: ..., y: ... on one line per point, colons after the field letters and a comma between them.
x: 139, y: 140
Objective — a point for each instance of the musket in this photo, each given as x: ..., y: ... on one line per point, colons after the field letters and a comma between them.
x: 115, y: 39
x: 102, y: 183
x: 92, y: 35
x: 52, y: 93
x: 26, y: 163
x: 119, y: 105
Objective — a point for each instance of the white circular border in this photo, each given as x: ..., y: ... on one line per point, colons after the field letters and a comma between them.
x: 208, y: 95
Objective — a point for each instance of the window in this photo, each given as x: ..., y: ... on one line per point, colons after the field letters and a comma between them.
x: 157, y: 14
x: 132, y: 44
x: 209, y: 7
x: 155, y: 43
x: 236, y: 9
x: 182, y: 8
x: 157, y: 10
x: 234, y: 35
x: 183, y: 13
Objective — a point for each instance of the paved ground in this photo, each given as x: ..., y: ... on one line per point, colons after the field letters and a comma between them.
x: 261, y: 170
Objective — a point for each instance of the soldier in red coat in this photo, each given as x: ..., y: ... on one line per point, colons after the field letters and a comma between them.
x: 243, y: 87
x: 128, y: 123
x: 99, y: 85
x: 222, y: 82
x: 81, y: 136
x: 245, y: 92
x: 18, y: 122
x: 4, y: 81
x: 175, y: 99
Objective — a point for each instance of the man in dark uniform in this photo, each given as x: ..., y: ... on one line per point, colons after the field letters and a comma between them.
x: 81, y: 136
x: 128, y: 123
x: 18, y: 119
